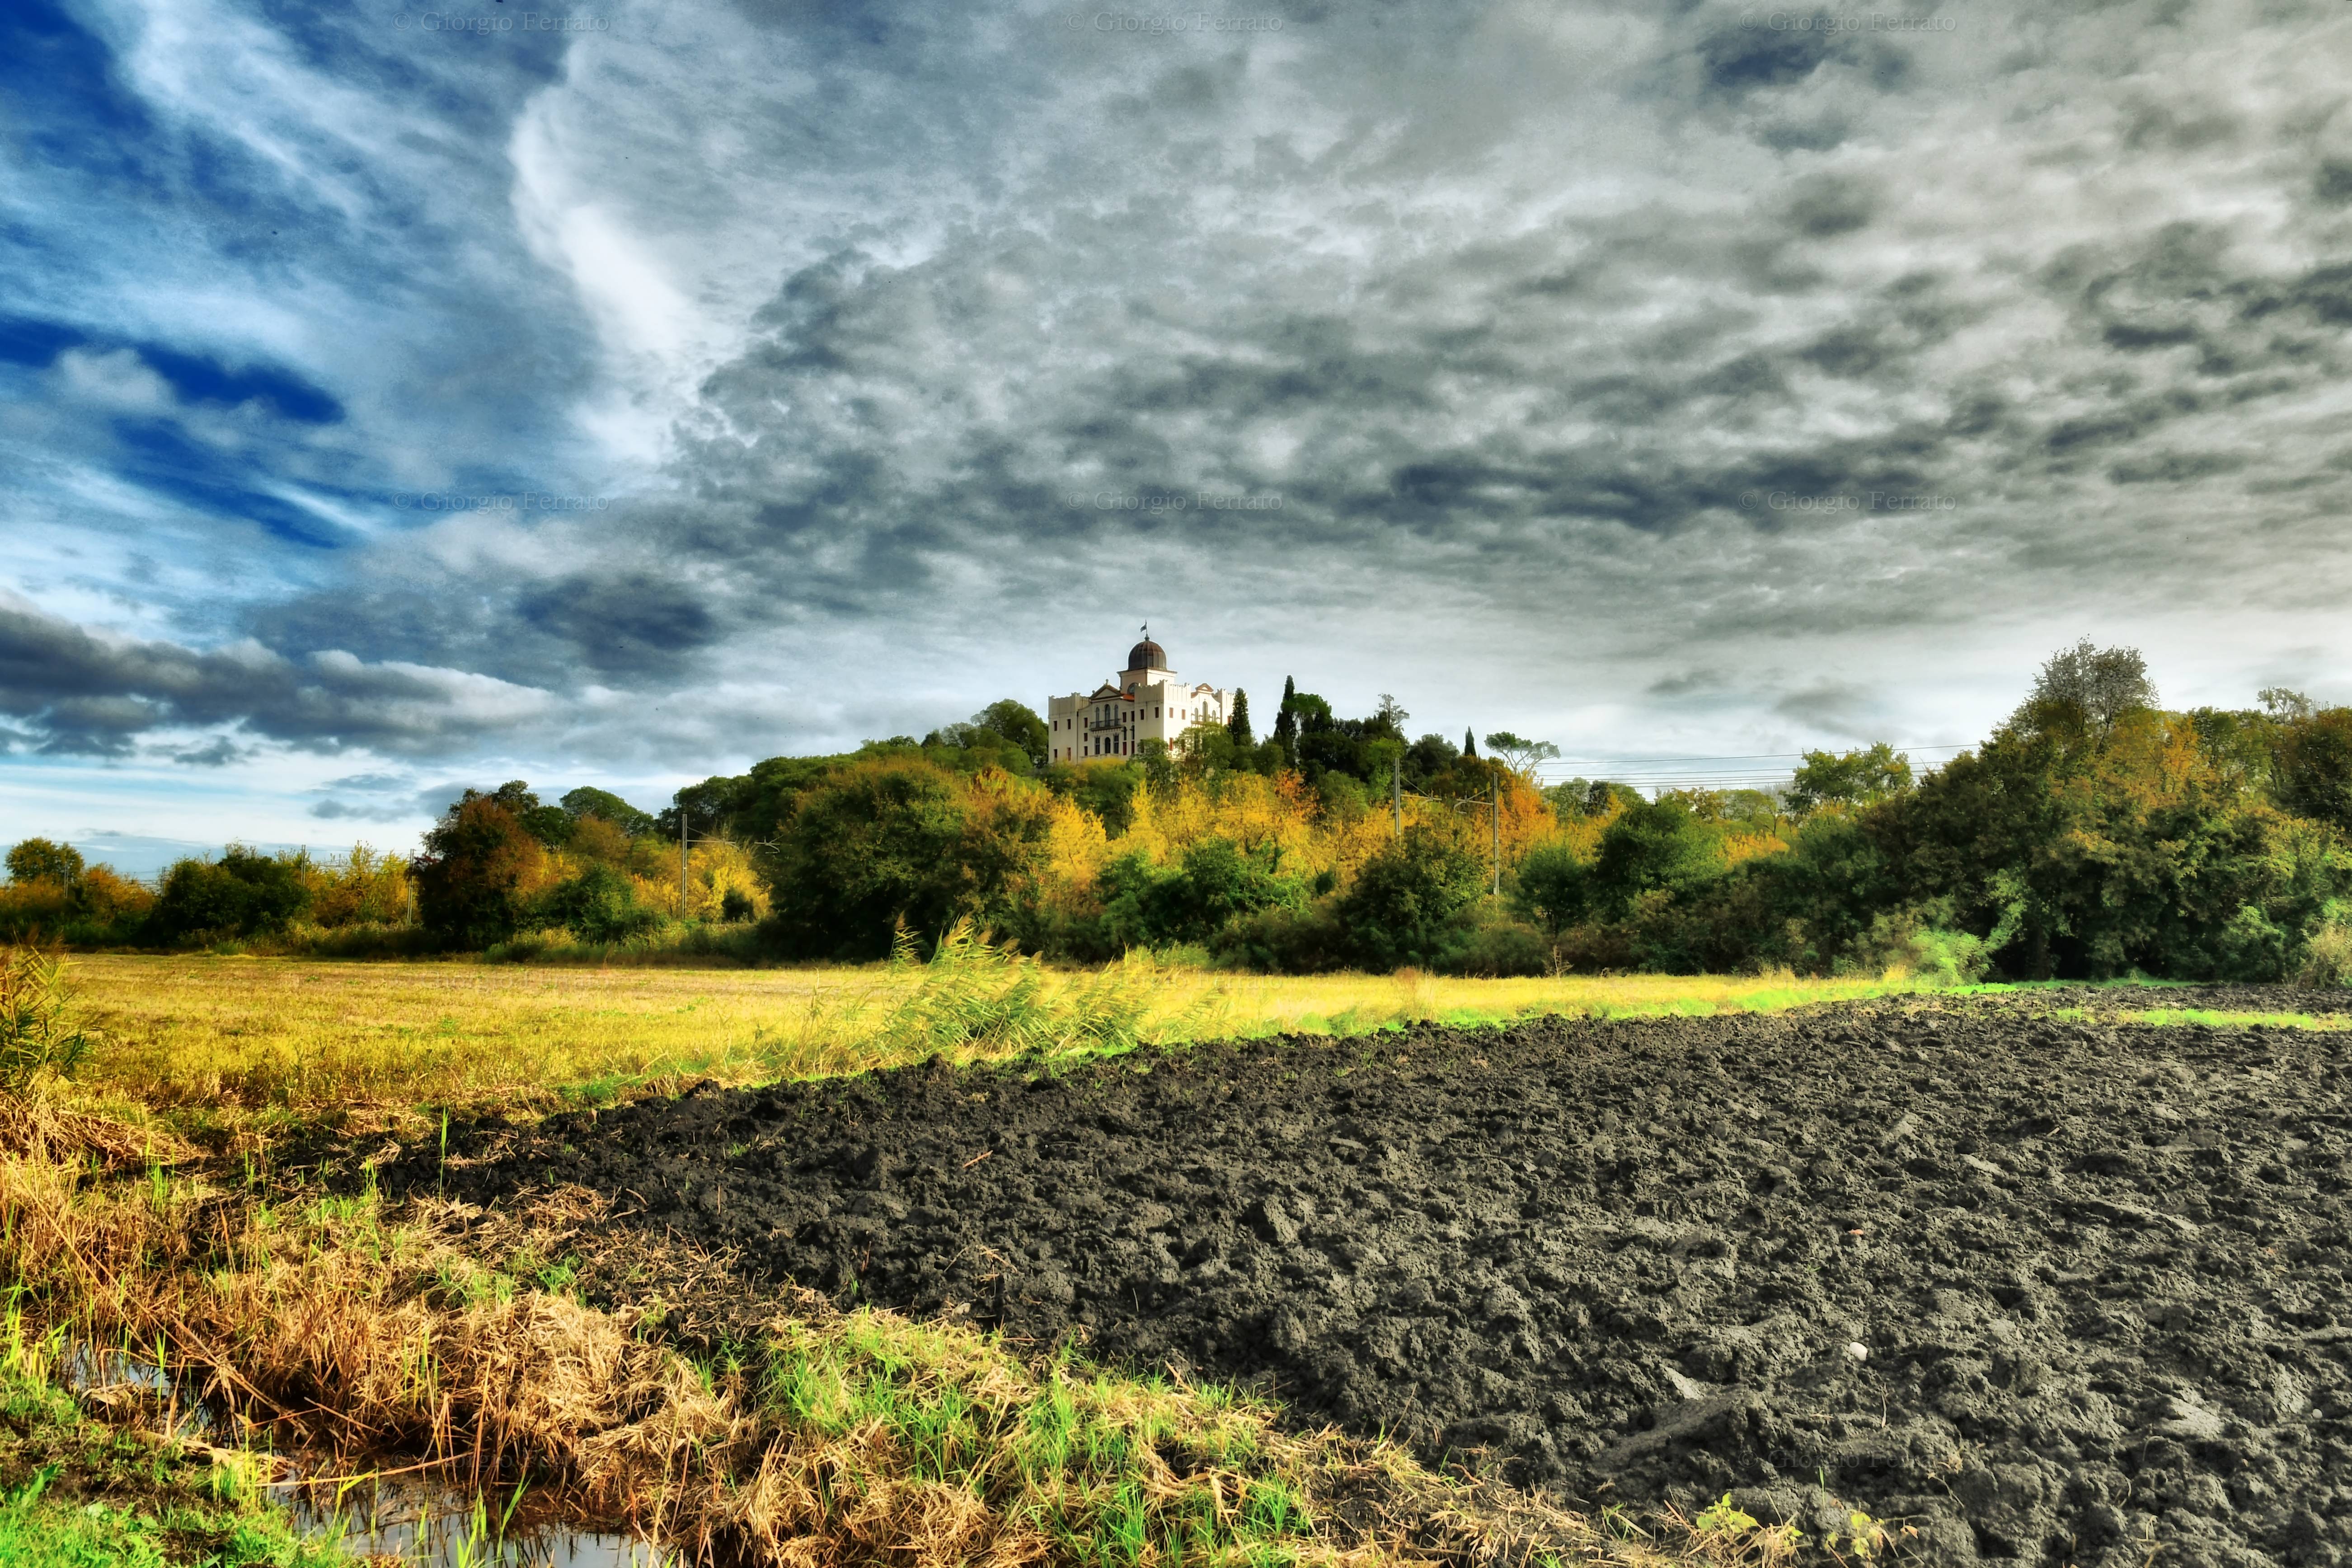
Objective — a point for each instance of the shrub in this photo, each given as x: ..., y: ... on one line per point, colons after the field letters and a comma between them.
x: 1407, y: 900
x: 1498, y: 947
x: 1309, y: 941
x: 600, y: 905
x: 1656, y: 846
x: 2313, y: 771
x: 2327, y: 952
x: 1216, y: 884
x: 899, y: 841
x: 243, y: 893
x: 1552, y: 887
x: 367, y: 888
x: 34, y: 909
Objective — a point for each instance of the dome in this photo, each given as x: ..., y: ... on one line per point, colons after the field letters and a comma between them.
x: 1146, y: 655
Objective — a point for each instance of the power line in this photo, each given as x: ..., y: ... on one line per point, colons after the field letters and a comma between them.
x: 1737, y: 756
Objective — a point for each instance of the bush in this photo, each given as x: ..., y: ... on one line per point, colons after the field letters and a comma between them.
x: 2313, y: 771
x: 1309, y: 941
x: 243, y: 893
x: 1408, y: 900
x: 600, y: 905
x: 1656, y: 846
x: 897, y: 842
x: 1500, y: 947
x: 1216, y: 884
x: 367, y: 889
x: 1551, y: 887
x: 2327, y: 952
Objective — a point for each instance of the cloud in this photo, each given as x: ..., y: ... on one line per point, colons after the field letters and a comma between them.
x: 87, y: 693
x: 1500, y: 349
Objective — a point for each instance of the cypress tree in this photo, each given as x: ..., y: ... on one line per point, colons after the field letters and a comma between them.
x: 1469, y: 743
x: 1238, y: 727
x: 1286, y: 723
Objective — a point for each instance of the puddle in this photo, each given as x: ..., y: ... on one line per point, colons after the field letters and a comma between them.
x: 416, y: 1526
x: 429, y: 1529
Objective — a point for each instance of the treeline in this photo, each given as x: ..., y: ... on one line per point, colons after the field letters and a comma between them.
x: 2095, y: 835
x: 499, y: 866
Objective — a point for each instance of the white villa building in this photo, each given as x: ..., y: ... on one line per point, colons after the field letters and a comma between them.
x: 1143, y: 702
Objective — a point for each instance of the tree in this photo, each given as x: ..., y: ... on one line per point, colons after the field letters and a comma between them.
x: 1521, y: 756
x: 898, y: 840
x: 45, y: 859
x: 242, y: 894
x: 2283, y: 704
x: 1238, y: 726
x: 2313, y: 774
x: 1553, y: 888
x: 1019, y: 724
x: 479, y: 868
x: 1849, y: 777
x: 2083, y: 690
x: 1286, y: 721
x: 1410, y: 897
x: 1656, y: 845
x: 1469, y: 743
x: 587, y: 801
x: 600, y: 905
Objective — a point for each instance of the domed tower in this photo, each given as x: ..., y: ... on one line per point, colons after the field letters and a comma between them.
x: 1144, y: 661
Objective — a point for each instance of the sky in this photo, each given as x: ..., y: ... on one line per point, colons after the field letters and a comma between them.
x: 397, y: 400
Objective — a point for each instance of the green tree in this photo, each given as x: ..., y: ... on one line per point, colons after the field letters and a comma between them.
x: 1552, y: 888
x: 2313, y: 771
x: 1656, y: 846
x: 45, y: 859
x: 896, y: 841
x: 588, y: 801
x: 242, y: 894
x: 1018, y: 723
x: 1409, y: 901
x: 1105, y: 788
x: 1238, y: 726
x: 1216, y: 884
x: 1521, y: 756
x: 1286, y: 721
x: 600, y: 905
x: 1849, y: 777
x: 2084, y: 691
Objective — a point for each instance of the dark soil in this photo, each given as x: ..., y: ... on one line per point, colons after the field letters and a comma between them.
x: 2043, y: 1289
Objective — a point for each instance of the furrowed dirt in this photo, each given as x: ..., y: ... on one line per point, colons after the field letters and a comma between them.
x: 2040, y: 1289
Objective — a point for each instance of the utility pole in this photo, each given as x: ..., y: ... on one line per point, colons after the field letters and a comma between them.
x: 682, y: 815
x: 1498, y: 826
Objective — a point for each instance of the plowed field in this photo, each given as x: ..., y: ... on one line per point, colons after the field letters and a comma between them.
x: 2057, y: 1287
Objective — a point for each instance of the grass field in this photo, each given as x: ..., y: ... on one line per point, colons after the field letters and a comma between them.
x: 235, y: 1037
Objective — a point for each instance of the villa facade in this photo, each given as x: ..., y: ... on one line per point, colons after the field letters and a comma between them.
x: 1143, y: 702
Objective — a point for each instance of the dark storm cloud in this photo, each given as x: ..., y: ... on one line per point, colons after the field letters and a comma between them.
x: 629, y: 623
x: 96, y: 695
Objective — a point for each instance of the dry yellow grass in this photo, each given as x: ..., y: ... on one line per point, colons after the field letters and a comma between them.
x: 304, y: 1035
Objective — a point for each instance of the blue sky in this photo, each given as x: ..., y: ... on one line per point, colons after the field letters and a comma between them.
x: 396, y: 400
